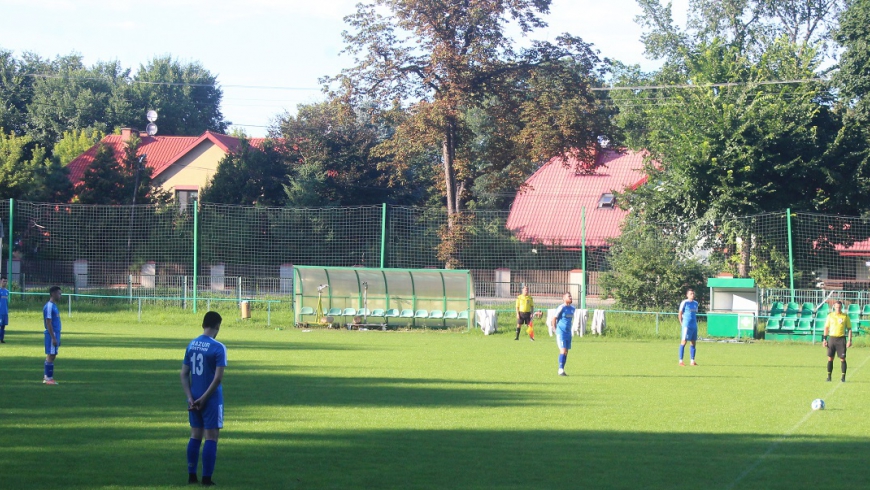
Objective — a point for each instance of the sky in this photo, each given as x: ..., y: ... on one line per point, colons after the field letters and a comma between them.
x: 267, y: 54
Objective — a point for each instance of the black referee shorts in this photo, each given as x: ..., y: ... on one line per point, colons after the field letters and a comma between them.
x: 525, y: 318
x: 837, y: 345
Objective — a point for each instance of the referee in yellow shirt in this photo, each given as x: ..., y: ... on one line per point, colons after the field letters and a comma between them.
x: 525, y: 307
x: 834, y: 338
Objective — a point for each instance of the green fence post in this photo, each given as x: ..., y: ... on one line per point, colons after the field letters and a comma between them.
x: 583, y: 257
x: 9, y: 263
x: 195, y: 249
x: 790, y: 256
x: 383, y: 234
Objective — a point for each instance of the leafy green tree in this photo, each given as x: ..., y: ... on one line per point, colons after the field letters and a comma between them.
x: 447, y: 62
x: 27, y: 173
x: 337, y: 163
x: 112, y: 180
x: 186, y: 97
x: 75, y: 142
x: 73, y: 96
x: 853, y: 77
x: 651, y: 268
x: 15, y: 93
x: 251, y: 176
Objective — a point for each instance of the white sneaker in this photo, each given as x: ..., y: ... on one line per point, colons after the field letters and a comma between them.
x: 562, y: 372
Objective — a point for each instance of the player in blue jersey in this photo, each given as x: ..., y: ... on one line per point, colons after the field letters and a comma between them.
x: 51, y: 317
x: 4, y: 309
x: 688, y: 316
x: 201, y: 376
x: 562, y: 321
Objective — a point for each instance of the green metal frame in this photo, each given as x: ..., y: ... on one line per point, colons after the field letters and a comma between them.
x: 790, y: 256
x: 11, y: 241
x: 298, y: 288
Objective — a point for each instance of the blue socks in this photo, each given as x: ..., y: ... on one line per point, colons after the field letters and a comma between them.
x: 3, y: 332
x: 209, y: 456
x: 193, y: 455
x: 682, y: 350
x: 49, y: 370
x: 691, y: 352
x: 562, y: 359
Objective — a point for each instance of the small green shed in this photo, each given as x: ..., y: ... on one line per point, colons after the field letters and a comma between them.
x: 733, y: 307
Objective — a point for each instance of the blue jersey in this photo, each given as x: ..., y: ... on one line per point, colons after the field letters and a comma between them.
x: 204, y: 355
x: 689, y: 309
x: 50, y: 312
x: 4, y: 301
x: 564, y: 317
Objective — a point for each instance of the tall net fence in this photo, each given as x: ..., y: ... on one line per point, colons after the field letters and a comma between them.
x: 239, y: 251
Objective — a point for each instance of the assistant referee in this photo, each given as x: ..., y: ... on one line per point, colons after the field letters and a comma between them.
x: 834, y: 338
x: 525, y: 307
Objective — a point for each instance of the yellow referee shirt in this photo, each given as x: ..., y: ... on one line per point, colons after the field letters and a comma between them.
x: 837, y: 324
x: 525, y: 304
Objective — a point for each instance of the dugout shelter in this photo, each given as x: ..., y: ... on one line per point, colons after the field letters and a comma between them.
x: 362, y: 296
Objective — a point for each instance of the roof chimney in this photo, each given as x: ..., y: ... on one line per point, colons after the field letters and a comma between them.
x: 127, y: 133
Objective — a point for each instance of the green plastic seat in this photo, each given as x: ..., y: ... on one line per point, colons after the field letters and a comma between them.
x: 421, y: 314
x: 451, y: 315
x: 334, y: 312
x: 364, y: 312
x: 463, y: 315
x: 788, y: 324
x: 406, y: 314
x: 306, y: 310
x: 391, y: 313
x: 436, y: 314
x: 349, y: 312
x: 377, y: 312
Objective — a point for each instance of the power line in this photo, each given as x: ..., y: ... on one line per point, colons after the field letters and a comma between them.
x: 709, y: 85
x: 172, y: 84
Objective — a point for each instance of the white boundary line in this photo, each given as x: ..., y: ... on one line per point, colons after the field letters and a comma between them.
x: 789, y: 432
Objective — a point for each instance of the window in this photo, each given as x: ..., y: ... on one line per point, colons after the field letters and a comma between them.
x: 607, y: 200
x: 185, y: 199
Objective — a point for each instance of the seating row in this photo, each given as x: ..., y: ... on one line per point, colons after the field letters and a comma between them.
x: 391, y: 313
x: 806, y: 317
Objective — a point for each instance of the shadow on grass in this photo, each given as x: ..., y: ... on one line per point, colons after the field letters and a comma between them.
x: 522, y: 458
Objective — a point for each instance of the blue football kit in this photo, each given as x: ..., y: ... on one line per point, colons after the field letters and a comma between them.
x: 4, y: 306
x: 203, y: 356
x: 4, y: 312
x: 50, y: 312
x: 689, y: 309
x: 564, y: 320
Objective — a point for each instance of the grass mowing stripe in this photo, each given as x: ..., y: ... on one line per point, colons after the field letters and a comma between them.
x: 789, y: 432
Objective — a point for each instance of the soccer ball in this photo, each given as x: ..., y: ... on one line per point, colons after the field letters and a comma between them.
x: 818, y: 404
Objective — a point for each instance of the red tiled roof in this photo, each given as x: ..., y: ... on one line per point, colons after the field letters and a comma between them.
x: 550, y: 211
x: 162, y: 151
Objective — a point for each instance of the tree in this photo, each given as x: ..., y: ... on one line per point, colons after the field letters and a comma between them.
x: 251, y: 176
x: 338, y: 166
x: 651, y: 268
x: 72, y: 96
x: 446, y: 61
x: 186, y: 97
x: 75, y: 142
x: 27, y: 173
x: 112, y: 180
x: 853, y: 78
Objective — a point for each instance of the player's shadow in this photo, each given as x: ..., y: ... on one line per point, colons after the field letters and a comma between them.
x: 152, y: 455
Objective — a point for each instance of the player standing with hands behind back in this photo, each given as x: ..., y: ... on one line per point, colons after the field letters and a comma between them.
x: 201, y: 376
x: 51, y: 317
x: 834, y: 338
x: 688, y: 316
x: 525, y: 308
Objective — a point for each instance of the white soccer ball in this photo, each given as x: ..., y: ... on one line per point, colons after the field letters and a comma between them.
x: 818, y: 404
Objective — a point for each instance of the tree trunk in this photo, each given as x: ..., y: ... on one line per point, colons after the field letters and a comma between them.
x: 448, y: 150
x: 744, y: 246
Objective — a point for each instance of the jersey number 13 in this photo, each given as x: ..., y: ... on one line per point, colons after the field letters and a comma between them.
x: 196, y: 363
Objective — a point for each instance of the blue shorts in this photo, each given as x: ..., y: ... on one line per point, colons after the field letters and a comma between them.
x: 563, y: 338
x: 4, y: 319
x: 689, y: 334
x: 51, y: 350
x: 211, y: 416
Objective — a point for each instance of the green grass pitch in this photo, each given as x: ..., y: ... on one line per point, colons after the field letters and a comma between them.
x: 339, y: 409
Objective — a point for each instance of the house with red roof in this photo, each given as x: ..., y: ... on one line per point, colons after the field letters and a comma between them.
x: 549, y: 210
x: 181, y: 165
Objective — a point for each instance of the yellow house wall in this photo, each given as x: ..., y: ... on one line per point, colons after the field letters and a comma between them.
x: 194, y: 168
